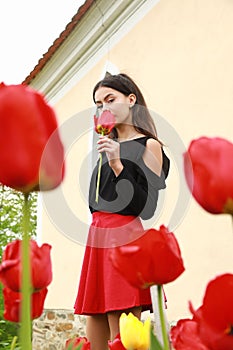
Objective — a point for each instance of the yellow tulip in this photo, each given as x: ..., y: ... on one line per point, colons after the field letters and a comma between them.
x: 135, y: 335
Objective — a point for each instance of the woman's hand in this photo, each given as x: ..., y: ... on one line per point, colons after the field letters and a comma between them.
x: 112, y: 150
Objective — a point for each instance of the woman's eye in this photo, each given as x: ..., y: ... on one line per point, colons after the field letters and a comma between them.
x: 100, y: 107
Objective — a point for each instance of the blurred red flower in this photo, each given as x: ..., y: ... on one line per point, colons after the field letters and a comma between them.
x: 184, y: 336
x: 104, y: 123
x: 11, y: 266
x: 32, y: 154
x: 211, y: 327
x: 215, y: 316
x: 116, y: 344
x: 154, y: 258
x: 208, y: 166
x: 74, y: 343
x: 12, y: 304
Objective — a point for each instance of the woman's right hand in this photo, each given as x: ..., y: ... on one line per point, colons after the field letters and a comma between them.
x: 112, y: 150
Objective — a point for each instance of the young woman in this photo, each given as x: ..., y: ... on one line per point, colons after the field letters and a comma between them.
x: 134, y: 170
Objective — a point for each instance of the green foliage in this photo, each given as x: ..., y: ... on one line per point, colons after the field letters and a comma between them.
x: 154, y: 343
x: 11, y: 204
x: 78, y: 347
x: 7, y: 329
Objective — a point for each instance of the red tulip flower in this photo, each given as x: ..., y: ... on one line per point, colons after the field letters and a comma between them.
x: 32, y: 153
x: 12, y: 304
x: 152, y: 259
x: 208, y: 166
x: 215, y: 316
x: 116, y: 344
x: 211, y: 327
x: 185, y: 336
x: 11, y: 266
x: 73, y: 344
x: 103, y: 125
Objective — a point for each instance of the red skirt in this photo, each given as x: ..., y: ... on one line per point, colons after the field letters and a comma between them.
x: 101, y: 288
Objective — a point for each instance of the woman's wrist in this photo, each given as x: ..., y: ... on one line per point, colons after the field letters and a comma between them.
x: 116, y: 166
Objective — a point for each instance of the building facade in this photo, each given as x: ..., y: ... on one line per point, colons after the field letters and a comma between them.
x: 180, y: 54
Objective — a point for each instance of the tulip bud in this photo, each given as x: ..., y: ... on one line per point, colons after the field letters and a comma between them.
x: 104, y: 123
x: 11, y: 266
x: 12, y: 304
x: 134, y: 333
x: 31, y: 152
x: 208, y: 166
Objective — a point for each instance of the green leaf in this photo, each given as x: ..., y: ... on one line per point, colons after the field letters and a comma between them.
x: 70, y: 347
x: 154, y: 343
x: 79, y: 347
x: 11, y: 203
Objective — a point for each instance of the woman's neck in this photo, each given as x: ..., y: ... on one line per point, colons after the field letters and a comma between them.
x: 127, y: 133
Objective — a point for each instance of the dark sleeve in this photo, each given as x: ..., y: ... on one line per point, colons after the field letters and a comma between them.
x: 144, y: 185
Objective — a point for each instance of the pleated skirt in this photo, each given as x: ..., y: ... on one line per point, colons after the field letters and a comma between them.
x: 101, y: 287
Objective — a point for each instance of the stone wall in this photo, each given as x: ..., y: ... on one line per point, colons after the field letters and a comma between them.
x: 52, y: 329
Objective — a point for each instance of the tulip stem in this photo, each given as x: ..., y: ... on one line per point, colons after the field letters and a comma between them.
x: 162, y: 318
x: 13, y: 343
x: 25, y: 331
x: 98, y: 176
x: 98, y: 179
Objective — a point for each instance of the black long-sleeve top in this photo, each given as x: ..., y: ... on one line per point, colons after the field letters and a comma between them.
x: 135, y: 190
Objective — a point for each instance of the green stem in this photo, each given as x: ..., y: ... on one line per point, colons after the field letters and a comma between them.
x: 13, y: 343
x: 25, y: 331
x: 162, y: 318
x: 98, y: 179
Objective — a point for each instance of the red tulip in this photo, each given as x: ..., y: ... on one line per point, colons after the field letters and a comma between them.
x: 12, y: 302
x: 116, y: 344
x: 104, y: 123
x: 32, y: 154
x: 215, y: 316
x: 72, y: 344
x: 154, y: 258
x: 208, y: 166
x: 185, y: 336
x: 11, y: 266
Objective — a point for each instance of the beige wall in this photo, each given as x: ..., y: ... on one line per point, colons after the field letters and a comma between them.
x: 181, y: 56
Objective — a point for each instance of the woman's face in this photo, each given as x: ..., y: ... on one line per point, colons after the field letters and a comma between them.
x: 117, y: 103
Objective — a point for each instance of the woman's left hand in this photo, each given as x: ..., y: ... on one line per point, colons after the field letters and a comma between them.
x: 112, y: 150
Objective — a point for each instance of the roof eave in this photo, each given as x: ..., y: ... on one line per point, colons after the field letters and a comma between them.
x: 59, y: 41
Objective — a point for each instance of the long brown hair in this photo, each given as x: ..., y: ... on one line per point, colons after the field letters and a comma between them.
x: 141, y: 117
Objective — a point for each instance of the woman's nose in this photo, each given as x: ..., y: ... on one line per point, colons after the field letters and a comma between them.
x: 105, y: 107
